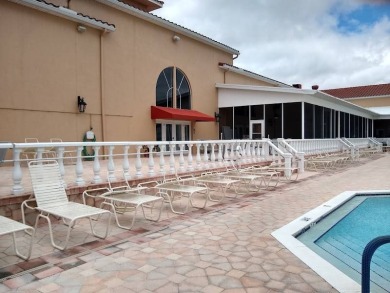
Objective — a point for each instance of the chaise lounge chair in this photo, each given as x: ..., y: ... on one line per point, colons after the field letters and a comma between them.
x: 8, y: 226
x: 52, y: 200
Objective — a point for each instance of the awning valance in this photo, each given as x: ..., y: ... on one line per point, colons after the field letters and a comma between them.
x: 179, y: 114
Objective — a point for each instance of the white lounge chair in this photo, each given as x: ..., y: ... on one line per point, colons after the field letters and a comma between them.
x: 123, y: 201
x: 175, y: 189
x: 8, y: 226
x: 120, y: 183
x: 52, y: 200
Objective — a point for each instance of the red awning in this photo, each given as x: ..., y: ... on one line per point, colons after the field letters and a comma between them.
x: 179, y: 114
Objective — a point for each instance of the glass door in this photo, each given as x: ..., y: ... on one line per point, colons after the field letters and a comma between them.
x: 256, y: 129
x: 173, y: 132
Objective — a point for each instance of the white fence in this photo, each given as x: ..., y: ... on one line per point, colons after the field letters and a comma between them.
x: 300, y: 148
x: 161, y: 157
x: 144, y: 159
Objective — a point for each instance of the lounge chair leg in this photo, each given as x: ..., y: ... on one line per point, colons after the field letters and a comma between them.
x: 104, y: 236
x: 16, y: 250
x: 50, y: 230
x: 159, y: 214
x: 171, y: 205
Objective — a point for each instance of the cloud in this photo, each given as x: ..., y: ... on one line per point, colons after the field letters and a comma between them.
x: 293, y: 41
x: 380, y: 2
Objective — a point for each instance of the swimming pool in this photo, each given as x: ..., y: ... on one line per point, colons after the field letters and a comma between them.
x: 331, y: 238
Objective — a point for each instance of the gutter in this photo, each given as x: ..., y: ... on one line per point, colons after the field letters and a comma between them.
x: 67, y: 14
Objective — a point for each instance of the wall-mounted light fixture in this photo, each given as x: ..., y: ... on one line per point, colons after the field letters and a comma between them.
x: 81, y: 28
x: 217, y: 116
x: 176, y: 38
x: 81, y: 104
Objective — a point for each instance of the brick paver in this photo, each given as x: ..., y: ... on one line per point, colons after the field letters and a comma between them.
x: 228, y: 248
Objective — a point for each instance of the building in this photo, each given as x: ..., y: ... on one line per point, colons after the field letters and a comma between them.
x: 118, y: 58
x: 276, y: 110
x: 373, y: 97
x: 111, y: 65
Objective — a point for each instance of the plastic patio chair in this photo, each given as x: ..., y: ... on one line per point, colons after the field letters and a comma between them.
x: 52, y: 200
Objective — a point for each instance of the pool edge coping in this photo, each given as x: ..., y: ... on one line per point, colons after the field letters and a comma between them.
x: 286, y: 236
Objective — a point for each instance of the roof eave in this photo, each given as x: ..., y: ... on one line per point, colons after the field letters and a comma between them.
x: 367, y: 97
x: 155, y: 4
x: 166, y: 24
x: 339, y: 101
x: 252, y: 75
x: 65, y: 13
x: 293, y: 90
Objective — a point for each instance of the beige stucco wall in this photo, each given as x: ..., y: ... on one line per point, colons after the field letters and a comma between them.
x: 371, y: 102
x: 45, y: 64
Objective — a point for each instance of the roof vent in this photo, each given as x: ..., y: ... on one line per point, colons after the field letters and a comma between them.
x: 297, y: 85
x: 314, y: 87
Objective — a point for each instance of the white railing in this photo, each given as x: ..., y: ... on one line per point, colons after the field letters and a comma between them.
x: 300, y: 148
x: 311, y: 147
x: 364, y: 142
x: 383, y: 140
x: 298, y: 156
x: 161, y: 158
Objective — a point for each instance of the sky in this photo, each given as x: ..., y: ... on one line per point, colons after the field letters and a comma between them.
x: 330, y: 43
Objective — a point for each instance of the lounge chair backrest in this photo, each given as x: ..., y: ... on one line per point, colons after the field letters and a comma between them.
x: 47, y: 183
x: 55, y: 140
x: 31, y: 140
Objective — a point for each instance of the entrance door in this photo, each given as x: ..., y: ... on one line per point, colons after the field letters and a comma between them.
x: 256, y: 129
x: 176, y: 131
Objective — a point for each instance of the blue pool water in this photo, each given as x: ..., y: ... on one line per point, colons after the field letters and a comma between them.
x: 341, y: 237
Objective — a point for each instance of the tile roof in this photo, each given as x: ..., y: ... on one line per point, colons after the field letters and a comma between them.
x: 196, y: 33
x: 147, y: 5
x: 95, y: 19
x: 150, y: 17
x: 183, y: 29
x: 360, y: 91
x: 79, y: 14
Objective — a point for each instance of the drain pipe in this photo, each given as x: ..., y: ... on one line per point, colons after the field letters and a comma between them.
x: 102, y: 104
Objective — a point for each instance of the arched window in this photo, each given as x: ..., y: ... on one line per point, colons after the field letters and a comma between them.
x: 166, y: 89
x: 183, y: 93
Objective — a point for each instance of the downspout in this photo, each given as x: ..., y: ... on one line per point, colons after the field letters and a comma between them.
x: 102, y: 104
x: 224, y: 74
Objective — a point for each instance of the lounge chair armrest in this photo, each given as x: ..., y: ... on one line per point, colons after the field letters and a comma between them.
x: 26, y: 204
x: 148, y: 184
x: 87, y: 193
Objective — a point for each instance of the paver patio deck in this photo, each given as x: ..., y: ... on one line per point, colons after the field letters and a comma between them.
x: 226, y: 247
